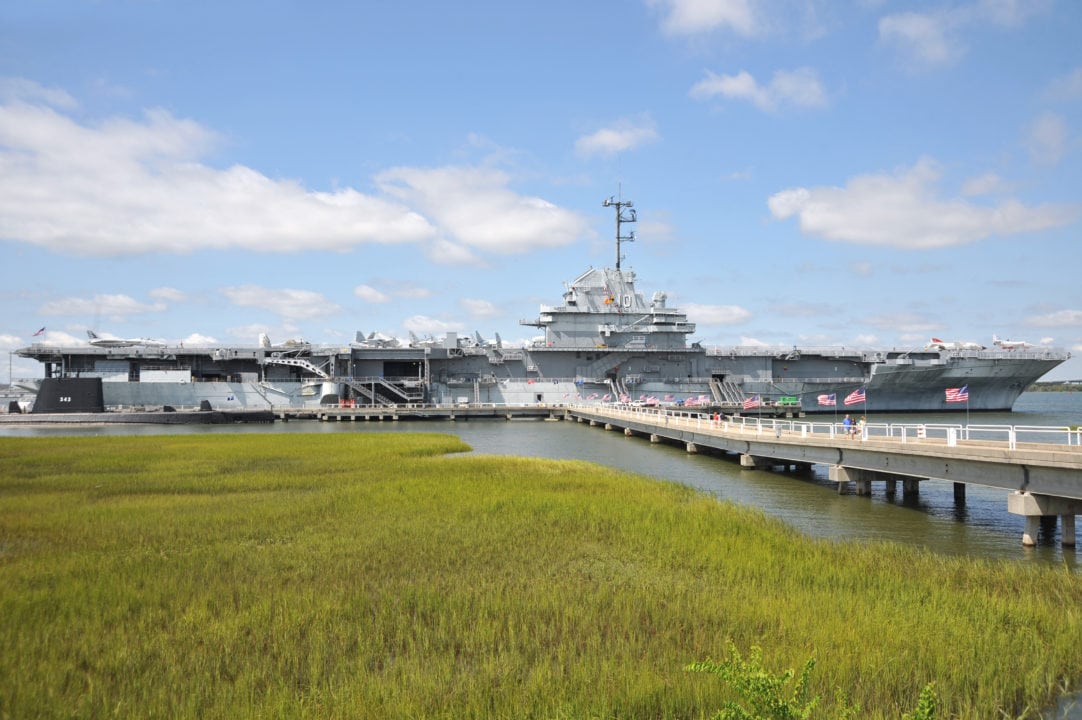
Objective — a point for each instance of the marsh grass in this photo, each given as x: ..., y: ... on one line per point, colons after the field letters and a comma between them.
x: 377, y: 576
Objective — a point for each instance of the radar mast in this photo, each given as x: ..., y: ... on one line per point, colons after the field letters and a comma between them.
x: 625, y: 213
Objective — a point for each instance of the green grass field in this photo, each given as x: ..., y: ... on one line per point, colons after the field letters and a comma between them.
x: 383, y: 576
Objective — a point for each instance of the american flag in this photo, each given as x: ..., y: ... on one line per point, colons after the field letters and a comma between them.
x: 605, y: 397
x: 752, y: 402
x: 830, y: 399
x: 592, y: 396
x: 668, y: 398
x: 855, y: 398
x: 958, y: 394
x: 40, y: 332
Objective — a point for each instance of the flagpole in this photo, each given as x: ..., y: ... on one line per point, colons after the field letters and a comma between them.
x: 967, y: 412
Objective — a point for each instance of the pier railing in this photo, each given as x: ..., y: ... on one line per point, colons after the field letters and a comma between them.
x: 1007, y: 436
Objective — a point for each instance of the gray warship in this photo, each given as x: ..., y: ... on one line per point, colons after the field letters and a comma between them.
x: 604, y: 342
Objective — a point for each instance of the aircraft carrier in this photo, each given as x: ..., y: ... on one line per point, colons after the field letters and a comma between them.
x: 604, y: 342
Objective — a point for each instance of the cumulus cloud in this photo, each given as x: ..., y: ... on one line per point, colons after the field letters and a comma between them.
x: 935, y: 38
x: 22, y: 90
x: 478, y: 211
x: 430, y: 325
x: 986, y: 184
x: 1065, y: 88
x: 717, y: 314
x: 287, y: 303
x: 691, y: 17
x: 1047, y: 139
x: 797, y: 88
x: 126, y: 186
x: 902, y: 210
x: 198, y: 339
x: 926, y: 38
x: 370, y: 294
x: 481, y: 309
x: 129, y: 186
x: 624, y: 134
x: 1060, y: 318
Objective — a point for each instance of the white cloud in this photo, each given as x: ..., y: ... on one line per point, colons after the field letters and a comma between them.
x: 691, y: 17
x: 408, y: 290
x: 798, y: 88
x: 1060, y: 318
x: 717, y: 314
x: 127, y: 186
x: 986, y: 184
x: 923, y: 37
x: 109, y: 305
x: 13, y: 89
x: 482, y: 309
x: 370, y: 294
x: 168, y: 294
x: 431, y: 326
x: 624, y: 134
x: 197, y: 340
x: 902, y: 210
x: 285, y: 302
x: 475, y: 207
x: 1066, y: 88
x: 1047, y: 139
x: 934, y: 38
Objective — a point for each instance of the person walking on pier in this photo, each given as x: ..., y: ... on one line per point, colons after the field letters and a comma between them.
x: 860, y: 427
x: 847, y: 425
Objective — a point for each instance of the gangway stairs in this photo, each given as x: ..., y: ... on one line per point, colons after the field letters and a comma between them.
x: 726, y: 392
x: 379, y: 391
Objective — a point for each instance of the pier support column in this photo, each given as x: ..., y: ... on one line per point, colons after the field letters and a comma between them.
x: 628, y: 432
x: 911, y: 486
x: 892, y: 487
x: 1034, y: 507
x: 959, y: 493
x: 841, y: 475
x: 608, y: 426
x: 754, y: 462
x: 692, y: 448
x: 655, y: 438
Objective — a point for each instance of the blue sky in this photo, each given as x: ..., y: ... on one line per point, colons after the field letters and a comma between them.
x: 864, y: 173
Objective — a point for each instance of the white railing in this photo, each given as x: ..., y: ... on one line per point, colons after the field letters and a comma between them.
x: 951, y: 434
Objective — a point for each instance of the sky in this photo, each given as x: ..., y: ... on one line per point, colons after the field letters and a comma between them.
x: 862, y: 173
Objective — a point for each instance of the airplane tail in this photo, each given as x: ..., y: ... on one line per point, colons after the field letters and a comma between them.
x: 264, y: 340
x: 91, y: 335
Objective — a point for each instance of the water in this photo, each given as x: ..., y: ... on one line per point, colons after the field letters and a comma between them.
x: 810, y: 503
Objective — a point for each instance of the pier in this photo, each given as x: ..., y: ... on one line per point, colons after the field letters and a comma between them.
x: 1040, y: 467
x: 393, y: 413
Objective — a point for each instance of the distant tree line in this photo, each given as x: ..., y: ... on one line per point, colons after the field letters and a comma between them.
x: 1062, y: 386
